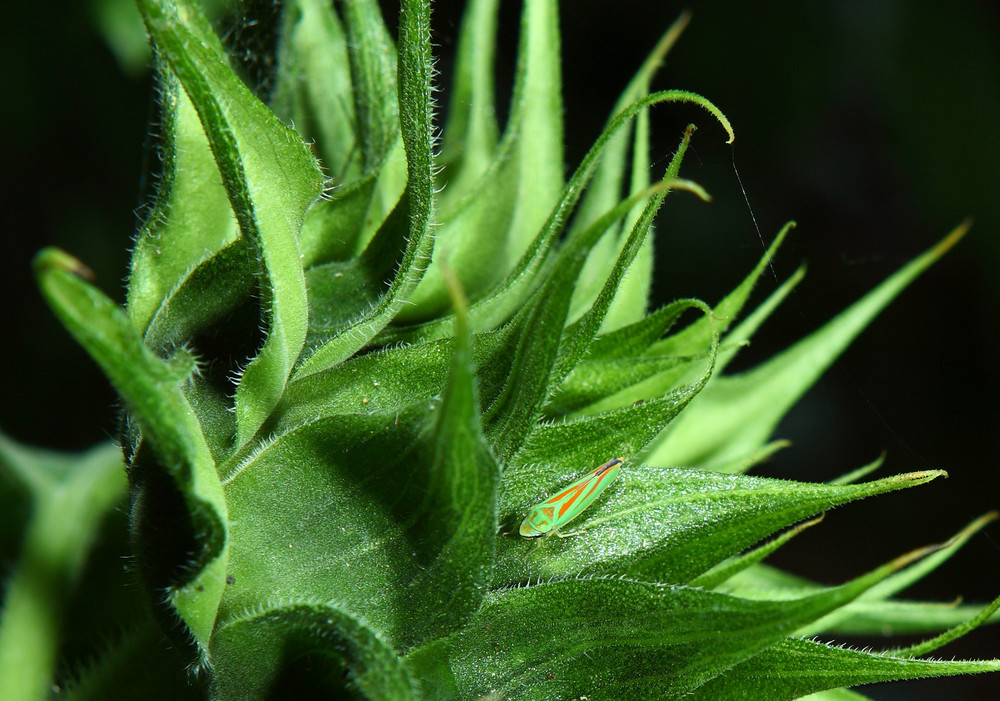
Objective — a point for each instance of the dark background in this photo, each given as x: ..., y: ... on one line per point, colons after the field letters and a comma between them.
x: 871, y: 124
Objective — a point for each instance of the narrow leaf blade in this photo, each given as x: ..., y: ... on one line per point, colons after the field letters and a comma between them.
x: 799, y: 667
x: 736, y: 414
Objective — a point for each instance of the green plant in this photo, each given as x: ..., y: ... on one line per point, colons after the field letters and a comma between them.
x: 344, y: 387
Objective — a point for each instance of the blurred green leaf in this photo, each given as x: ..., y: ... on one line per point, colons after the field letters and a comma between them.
x: 72, y: 495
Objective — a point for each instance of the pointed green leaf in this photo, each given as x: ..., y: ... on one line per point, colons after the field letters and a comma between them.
x: 372, y: 58
x: 729, y: 567
x: 314, y: 88
x: 389, y: 380
x: 606, y: 190
x: 493, y: 224
x: 542, y: 360
x: 626, y: 430
x: 359, y: 69
x: 795, y: 668
x: 502, y: 300
x: 739, y: 337
x: 905, y: 578
x: 383, y: 382
x: 665, y: 524
x: 473, y: 236
x: 927, y: 646
x: 536, y: 114
x: 744, y: 463
x: 874, y: 613
x: 580, y: 335
x: 315, y: 93
x: 151, y: 389
x: 645, y: 367
x: 596, y: 386
x: 863, y: 471
x: 610, y: 174
x: 633, y: 340
x: 460, y: 504
x: 696, y: 336
x: 737, y: 414
x: 631, y: 300
x: 901, y: 617
x: 35, y: 470
x: 120, y: 26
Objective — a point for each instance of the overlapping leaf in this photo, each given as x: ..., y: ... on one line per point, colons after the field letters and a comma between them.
x: 190, y: 200
x: 416, y: 124
x: 500, y: 212
x: 875, y: 612
x: 496, y: 305
x: 611, y: 638
x: 271, y: 179
x: 606, y: 189
x: 303, y: 648
x: 151, y: 388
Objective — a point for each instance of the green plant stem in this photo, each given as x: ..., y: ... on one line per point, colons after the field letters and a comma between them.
x: 65, y: 520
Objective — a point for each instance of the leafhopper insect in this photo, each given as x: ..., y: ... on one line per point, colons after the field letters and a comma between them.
x: 556, y: 511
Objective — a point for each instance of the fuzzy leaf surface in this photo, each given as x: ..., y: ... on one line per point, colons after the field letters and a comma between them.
x: 796, y: 667
x: 271, y: 178
x: 299, y: 649
x: 460, y: 503
x: 192, y: 218
x: 410, y: 541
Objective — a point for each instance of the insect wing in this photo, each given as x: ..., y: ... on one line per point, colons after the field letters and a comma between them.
x: 558, y: 510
